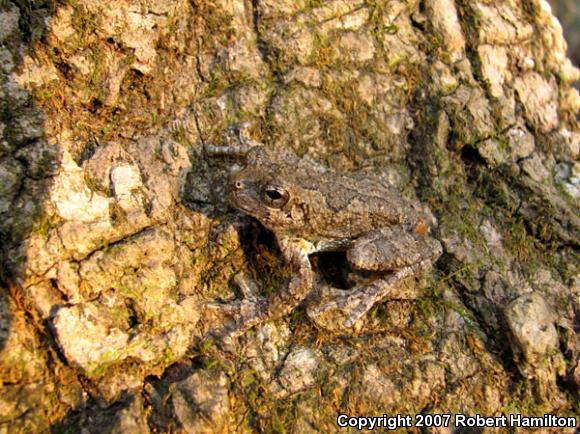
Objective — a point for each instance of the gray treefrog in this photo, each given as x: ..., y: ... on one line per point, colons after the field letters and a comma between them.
x: 312, y: 209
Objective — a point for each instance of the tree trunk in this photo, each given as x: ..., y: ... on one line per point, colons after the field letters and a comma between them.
x: 116, y: 230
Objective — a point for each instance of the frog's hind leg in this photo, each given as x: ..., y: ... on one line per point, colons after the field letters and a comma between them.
x: 366, y: 297
x: 392, y: 248
x: 353, y: 304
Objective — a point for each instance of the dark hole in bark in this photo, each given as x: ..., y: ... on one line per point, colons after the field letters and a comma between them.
x: 96, y: 105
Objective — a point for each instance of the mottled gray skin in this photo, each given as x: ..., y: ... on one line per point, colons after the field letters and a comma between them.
x: 311, y: 209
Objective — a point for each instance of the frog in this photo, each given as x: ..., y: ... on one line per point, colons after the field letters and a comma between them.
x: 310, y: 208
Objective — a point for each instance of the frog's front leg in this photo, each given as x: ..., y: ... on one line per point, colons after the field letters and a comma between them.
x: 295, y: 253
x: 405, y: 253
x: 253, y: 309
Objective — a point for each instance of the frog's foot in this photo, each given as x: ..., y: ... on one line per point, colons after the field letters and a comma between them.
x: 340, y: 309
x: 246, y: 312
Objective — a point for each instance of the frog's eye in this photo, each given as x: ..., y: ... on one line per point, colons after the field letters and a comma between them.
x: 275, y: 196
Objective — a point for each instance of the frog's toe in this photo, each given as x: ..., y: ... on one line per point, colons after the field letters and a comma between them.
x: 246, y: 285
x: 239, y: 309
x: 355, y: 313
x: 337, y: 310
x: 245, y: 314
x: 333, y: 318
x: 231, y: 308
x: 227, y: 342
x: 224, y: 340
x: 247, y: 306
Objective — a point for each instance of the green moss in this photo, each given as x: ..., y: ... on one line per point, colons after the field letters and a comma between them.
x: 217, y: 24
x: 99, y: 370
x: 356, y: 127
x: 263, y: 412
x: 464, y: 220
x: 167, y: 357
x: 376, y: 20
x: 426, y: 307
x: 179, y: 134
x: 117, y: 214
x: 127, y: 291
x: 84, y: 22
x: 465, y: 314
x: 312, y: 4
x: 522, y: 401
x: 44, y: 93
x: 99, y: 68
x: 45, y: 224
x: 323, y: 54
x: 520, y: 244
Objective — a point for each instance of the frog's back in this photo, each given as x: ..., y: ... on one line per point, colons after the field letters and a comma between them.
x: 349, y: 205
x: 331, y: 205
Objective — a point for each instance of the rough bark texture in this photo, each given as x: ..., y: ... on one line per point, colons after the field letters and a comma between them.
x: 568, y: 12
x: 116, y: 231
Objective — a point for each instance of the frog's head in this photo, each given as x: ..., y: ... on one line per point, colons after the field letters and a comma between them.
x: 265, y: 190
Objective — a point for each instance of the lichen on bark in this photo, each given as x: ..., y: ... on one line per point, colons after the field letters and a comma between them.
x: 116, y: 231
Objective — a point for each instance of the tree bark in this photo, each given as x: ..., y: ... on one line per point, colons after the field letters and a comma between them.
x: 116, y: 231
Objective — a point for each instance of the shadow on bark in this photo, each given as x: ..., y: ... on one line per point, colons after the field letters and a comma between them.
x: 28, y: 163
x: 27, y: 160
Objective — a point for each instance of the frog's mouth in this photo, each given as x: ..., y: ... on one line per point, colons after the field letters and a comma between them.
x: 246, y: 202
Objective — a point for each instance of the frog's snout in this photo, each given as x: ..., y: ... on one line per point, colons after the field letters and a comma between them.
x: 240, y: 192
x: 235, y: 185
